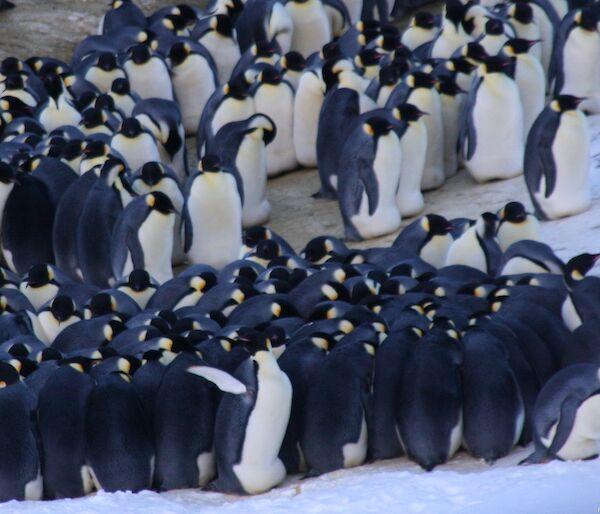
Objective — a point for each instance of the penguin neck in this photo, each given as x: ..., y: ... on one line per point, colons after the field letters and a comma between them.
x: 267, y: 364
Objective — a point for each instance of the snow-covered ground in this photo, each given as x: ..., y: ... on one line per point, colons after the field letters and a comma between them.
x: 464, y: 485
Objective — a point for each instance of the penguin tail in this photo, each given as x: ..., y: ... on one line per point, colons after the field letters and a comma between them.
x: 539, y: 456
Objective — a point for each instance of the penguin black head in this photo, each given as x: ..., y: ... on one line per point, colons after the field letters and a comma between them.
x: 14, y: 81
x: 494, y: 27
x: 389, y: 42
x: 455, y: 11
x: 587, y: 19
x: 475, y: 52
x: 39, y: 275
x: 102, y: 304
x: 107, y: 61
x: 95, y: 148
x: 408, y: 112
x: 576, y: 268
x: 253, y: 235
x: 563, y: 103
x: 424, y: 20
x: 179, y: 52
x: 253, y: 340
x: 120, y: 86
x: 10, y: 65
x: 152, y: 173
x: 331, y: 51
x: 8, y: 175
x: 8, y: 375
x: 267, y: 250
x: 389, y: 75
x: 270, y: 75
x: 53, y: 85
x: 131, y: 127
x: 187, y: 13
x: 419, y: 79
x: 93, y: 117
x: 174, y: 22
x: 265, y: 49
x: 514, y: 212
x: 106, y: 102
x: 376, y: 126
x: 237, y: 88
x: 448, y: 86
x: 78, y: 363
x: 49, y: 354
x: 522, y: 12
x: 518, y: 46
x: 222, y: 24
x: 209, y: 163
x: 160, y: 202
x: 293, y: 61
x: 368, y: 57
x: 62, y: 308
x: 138, y: 280
x: 203, y: 282
x: 436, y: 225
x: 459, y: 65
x: 15, y: 106
x: 497, y: 64
x: 140, y: 54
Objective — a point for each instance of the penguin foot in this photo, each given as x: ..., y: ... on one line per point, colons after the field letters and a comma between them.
x: 324, y: 195
x: 311, y: 474
x: 537, y: 457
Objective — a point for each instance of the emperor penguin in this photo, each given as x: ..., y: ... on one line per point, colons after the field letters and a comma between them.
x: 57, y: 315
x: 163, y: 119
x: 530, y: 79
x: 59, y: 108
x: 557, y: 160
x: 101, y: 70
x: 143, y: 237
x: 292, y: 65
x: 413, y: 143
x: 516, y: 224
x: 421, y: 30
x: 213, y: 214
x: 154, y: 176
x: 310, y: 94
x: 428, y: 237
x: 139, y: 286
x: 520, y: 16
x: 566, y: 414
x: 231, y: 102
x: 264, y: 21
x: 124, y: 98
x: 367, y: 185
x: 217, y: 34
x: 575, y: 65
x: 41, y: 284
x: 135, y: 144
x: 580, y: 305
x: 247, y: 452
x: 122, y: 13
x: 452, y: 34
x: 194, y: 76
x: 241, y: 145
x: 311, y: 26
x: 452, y: 98
x: 477, y: 246
x: 274, y: 97
x: 418, y: 88
x: 494, y: 37
x: 491, y: 133
x: 148, y: 73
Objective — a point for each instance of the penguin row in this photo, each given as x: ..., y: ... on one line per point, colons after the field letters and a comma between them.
x: 284, y: 363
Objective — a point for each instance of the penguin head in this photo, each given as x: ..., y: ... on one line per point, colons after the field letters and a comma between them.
x: 210, y: 163
x: 107, y: 61
x: 522, y: 12
x: 270, y: 75
x: 203, y: 282
x: 563, y: 103
x: 331, y: 51
x: 140, y: 53
x: 323, y: 341
x: 131, y: 128
x: 389, y: 75
x: 518, y: 46
x: 13, y: 81
x: 436, y: 225
x: 40, y: 275
x: 179, y: 52
x: 293, y: 61
x: 587, y: 19
x: 494, y: 27
x: 447, y: 86
x: 237, y: 88
x: 93, y: 117
x: 577, y: 267
x: 222, y: 24
x: 112, y: 329
x: 187, y: 13
x: 78, y: 363
x: 368, y: 57
x: 267, y: 250
x: 253, y: 235
x: 14, y: 107
x: 62, y: 308
x: 497, y: 64
x: 139, y: 280
x: 54, y: 86
x: 254, y: 342
x: 459, y: 65
x: 513, y: 212
x: 106, y: 103
x: 376, y: 127
x: 102, y: 304
x: 95, y: 148
x: 420, y: 79
x: 10, y: 65
x: 265, y: 49
x: 318, y: 249
x: 455, y: 12
x: 486, y: 225
x: 424, y: 20
x: 8, y: 375
x: 474, y: 52
x: 160, y: 202
x: 408, y: 112
x: 120, y: 86
x: 152, y: 173
x: 8, y: 175
x: 176, y: 24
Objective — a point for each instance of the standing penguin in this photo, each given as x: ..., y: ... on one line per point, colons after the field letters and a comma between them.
x: 264, y: 21
x: 520, y: 16
x: 143, y: 237
x: 516, y: 224
x: 557, y: 160
x: 135, y: 144
x: 241, y: 145
x: 20, y: 473
x: 213, y: 214
x: 311, y: 26
x: 247, y: 434
x: 101, y: 70
x: 59, y: 108
x: 452, y: 99
x: 422, y: 30
x: 148, y: 73
x: 530, y: 79
x: 124, y: 98
x: 491, y: 137
x: 369, y: 174
x: 194, y: 76
x: 122, y: 13
x: 274, y: 97
x: 453, y: 35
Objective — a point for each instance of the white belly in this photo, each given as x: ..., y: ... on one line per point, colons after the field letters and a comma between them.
x: 251, y: 162
x: 581, y: 63
x: 138, y: 151
x: 156, y: 238
x: 224, y: 51
x: 281, y: 26
x: 498, y: 121
x: 546, y: 35
x: 531, y: 82
x: 51, y: 327
x: 103, y: 79
x: 569, y: 314
x: 356, y: 453
x: 56, y: 116
x: 230, y: 110
x: 570, y: 149
x: 311, y: 26
x: 414, y: 150
x: 414, y: 37
x: 466, y: 250
x: 307, y: 106
x: 448, y: 41
x: 436, y: 250
x: 510, y: 233
x: 38, y: 296
x: 150, y: 79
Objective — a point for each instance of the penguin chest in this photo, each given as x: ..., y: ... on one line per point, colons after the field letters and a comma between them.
x: 581, y: 63
x: 231, y: 109
x: 150, y: 79
x: 251, y: 162
x: 467, y: 250
x: 124, y: 102
x: 311, y: 26
x: 417, y: 36
x: 414, y: 151
x: 449, y: 40
x: 281, y: 26
x: 39, y: 296
x: 194, y: 83
x: 52, y: 327
x: 225, y: 52
x: 56, y: 115
x: 137, y: 150
x: 435, y: 250
x: 156, y: 238
x: 259, y: 467
x: 103, y: 79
